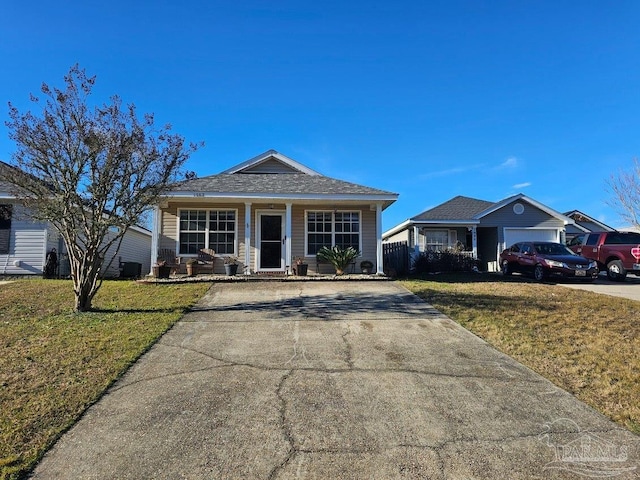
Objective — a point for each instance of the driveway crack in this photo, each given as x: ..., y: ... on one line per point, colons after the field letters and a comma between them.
x: 285, y: 427
x: 348, y: 348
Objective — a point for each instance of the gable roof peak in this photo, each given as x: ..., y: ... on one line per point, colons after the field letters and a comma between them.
x: 270, y: 155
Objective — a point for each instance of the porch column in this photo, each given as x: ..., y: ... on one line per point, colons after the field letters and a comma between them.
x: 247, y: 238
x: 416, y: 239
x: 474, y: 241
x: 287, y: 238
x: 155, y: 234
x: 379, y: 256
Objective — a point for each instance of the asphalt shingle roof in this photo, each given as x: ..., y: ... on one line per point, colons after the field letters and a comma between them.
x: 272, y: 183
x: 458, y: 208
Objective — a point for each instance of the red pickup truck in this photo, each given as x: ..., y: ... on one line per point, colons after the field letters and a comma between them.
x: 615, y: 252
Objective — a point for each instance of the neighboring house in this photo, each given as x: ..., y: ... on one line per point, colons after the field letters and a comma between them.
x: 584, y: 224
x: 268, y: 211
x: 25, y: 242
x: 481, y: 228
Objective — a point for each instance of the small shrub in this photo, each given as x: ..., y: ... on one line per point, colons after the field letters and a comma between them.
x: 447, y: 262
x: 339, y: 257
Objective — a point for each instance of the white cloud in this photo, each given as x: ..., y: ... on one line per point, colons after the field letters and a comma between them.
x: 521, y: 185
x: 511, y: 162
x: 451, y: 171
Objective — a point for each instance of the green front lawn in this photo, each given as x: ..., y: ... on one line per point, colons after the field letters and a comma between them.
x: 54, y: 364
x: 587, y: 344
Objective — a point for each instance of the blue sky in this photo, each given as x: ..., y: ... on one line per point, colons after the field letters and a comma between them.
x: 428, y: 99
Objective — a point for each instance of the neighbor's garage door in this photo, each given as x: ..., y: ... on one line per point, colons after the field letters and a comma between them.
x: 515, y: 235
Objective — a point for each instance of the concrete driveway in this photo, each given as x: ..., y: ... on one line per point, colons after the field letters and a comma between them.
x: 334, y: 380
x: 630, y: 288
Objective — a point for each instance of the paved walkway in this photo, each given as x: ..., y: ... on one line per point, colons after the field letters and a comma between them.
x: 334, y: 380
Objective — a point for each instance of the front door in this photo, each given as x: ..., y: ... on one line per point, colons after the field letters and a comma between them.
x: 271, y: 241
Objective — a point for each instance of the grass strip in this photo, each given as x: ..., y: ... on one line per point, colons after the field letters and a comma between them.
x: 54, y: 363
x: 585, y: 343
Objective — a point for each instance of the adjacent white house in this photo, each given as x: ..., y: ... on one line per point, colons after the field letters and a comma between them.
x: 25, y: 242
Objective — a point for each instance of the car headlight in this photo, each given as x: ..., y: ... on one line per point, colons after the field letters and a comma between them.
x: 593, y: 265
x: 554, y: 263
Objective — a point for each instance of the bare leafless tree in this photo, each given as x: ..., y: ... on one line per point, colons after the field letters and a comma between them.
x: 625, y: 190
x: 90, y: 171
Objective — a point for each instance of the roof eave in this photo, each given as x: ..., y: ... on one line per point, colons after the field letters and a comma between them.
x: 417, y: 223
x: 390, y: 198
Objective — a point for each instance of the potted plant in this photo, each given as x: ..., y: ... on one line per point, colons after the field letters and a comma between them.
x: 301, y: 267
x: 231, y: 265
x: 339, y: 257
x: 366, y: 266
x: 161, y: 269
x: 192, y: 265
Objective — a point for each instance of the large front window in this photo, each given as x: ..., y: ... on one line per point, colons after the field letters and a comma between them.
x: 214, y: 229
x: 436, y: 240
x: 328, y: 229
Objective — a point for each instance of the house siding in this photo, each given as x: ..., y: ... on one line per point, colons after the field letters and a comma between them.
x: 135, y: 247
x: 27, y: 245
x: 403, y: 236
x: 271, y: 166
x: 532, y: 217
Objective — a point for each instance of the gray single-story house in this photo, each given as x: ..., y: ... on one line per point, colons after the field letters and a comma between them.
x: 481, y: 228
x: 25, y: 242
x: 269, y: 211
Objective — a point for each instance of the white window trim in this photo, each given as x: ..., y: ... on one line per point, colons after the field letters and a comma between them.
x: 333, y: 223
x: 206, y: 231
x: 452, y: 237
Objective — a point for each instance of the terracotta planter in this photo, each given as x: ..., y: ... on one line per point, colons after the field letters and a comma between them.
x: 191, y: 269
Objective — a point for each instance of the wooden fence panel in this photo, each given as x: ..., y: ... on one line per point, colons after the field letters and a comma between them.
x: 395, y: 258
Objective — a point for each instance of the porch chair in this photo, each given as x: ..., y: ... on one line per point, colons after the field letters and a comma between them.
x: 206, y: 259
x: 168, y: 256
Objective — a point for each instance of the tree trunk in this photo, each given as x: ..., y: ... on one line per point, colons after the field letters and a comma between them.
x: 84, y: 299
x: 84, y: 273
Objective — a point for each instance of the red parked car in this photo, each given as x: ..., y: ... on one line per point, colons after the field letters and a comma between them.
x: 547, y: 259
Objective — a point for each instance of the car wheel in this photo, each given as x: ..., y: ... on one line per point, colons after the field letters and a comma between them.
x: 616, y: 271
x: 505, y: 268
x: 538, y: 273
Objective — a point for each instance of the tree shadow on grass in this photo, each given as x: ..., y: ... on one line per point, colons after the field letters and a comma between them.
x: 140, y: 310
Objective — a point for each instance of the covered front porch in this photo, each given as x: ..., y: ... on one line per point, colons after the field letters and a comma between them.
x: 265, y: 238
x: 438, y: 237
